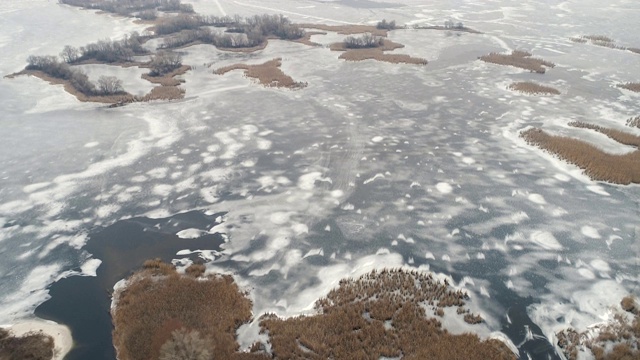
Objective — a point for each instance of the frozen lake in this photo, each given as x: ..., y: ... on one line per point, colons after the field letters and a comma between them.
x: 371, y: 165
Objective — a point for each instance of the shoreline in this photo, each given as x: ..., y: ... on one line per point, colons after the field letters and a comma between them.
x: 61, y: 334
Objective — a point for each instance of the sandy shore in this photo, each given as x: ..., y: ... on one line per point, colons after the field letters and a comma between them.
x: 61, y: 334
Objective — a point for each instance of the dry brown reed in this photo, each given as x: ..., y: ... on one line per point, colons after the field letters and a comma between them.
x: 348, y: 29
x: 597, y: 164
x: 617, y: 135
x: 634, y: 122
x: 520, y: 59
x: 31, y: 346
x: 377, y: 53
x: 381, y: 314
x: 529, y: 87
x: 620, y: 336
x: 268, y: 74
x: 158, y: 301
x: 635, y: 87
x: 168, y: 79
x: 306, y: 39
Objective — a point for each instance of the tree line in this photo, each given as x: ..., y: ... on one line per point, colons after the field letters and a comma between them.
x: 144, y: 9
x: 362, y: 42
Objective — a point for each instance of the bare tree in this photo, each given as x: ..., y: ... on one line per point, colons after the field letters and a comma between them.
x: 70, y: 54
x: 109, y: 85
x: 164, y: 62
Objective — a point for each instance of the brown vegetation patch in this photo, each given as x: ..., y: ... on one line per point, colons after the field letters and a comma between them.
x: 634, y: 122
x: 601, y: 40
x: 164, y: 93
x: 620, y: 336
x: 528, y: 87
x: 348, y: 29
x: 158, y: 301
x: 381, y: 314
x: 168, y: 79
x: 251, y: 49
x: 377, y: 53
x: 597, y: 164
x: 306, y: 39
x: 33, y: 346
x: 268, y: 74
x: 520, y: 59
x: 107, y: 99
x: 635, y: 87
x: 444, y: 28
x: 617, y: 135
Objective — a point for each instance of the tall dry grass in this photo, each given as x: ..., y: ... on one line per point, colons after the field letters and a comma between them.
x: 634, y: 122
x: 519, y: 59
x: 597, y: 164
x: 31, y: 346
x: 381, y: 314
x: 268, y: 74
x: 635, y: 87
x: 529, y: 87
x: 158, y: 301
x: 617, y: 135
x: 616, y: 340
x: 377, y: 53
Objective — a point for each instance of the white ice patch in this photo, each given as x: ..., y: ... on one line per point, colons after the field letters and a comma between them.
x: 307, y: 181
x: 590, y: 232
x: 90, y: 267
x: 537, y: 198
x: 190, y: 233
x: 444, y: 187
x: 377, y: 139
x: 545, y: 240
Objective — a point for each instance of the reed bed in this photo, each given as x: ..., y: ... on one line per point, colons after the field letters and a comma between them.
x: 617, y: 340
x: 31, y: 346
x: 634, y: 122
x: 635, y: 87
x: 377, y: 53
x: 380, y: 315
x: 268, y: 74
x: 529, y: 87
x: 597, y: 164
x: 519, y: 59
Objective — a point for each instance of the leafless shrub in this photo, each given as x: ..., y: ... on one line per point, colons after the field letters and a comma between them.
x: 383, y: 24
x: 109, y: 85
x: 528, y: 87
x: 70, y: 54
x: 164, y: 62
x: 520, y: 59
x: 364, y: 41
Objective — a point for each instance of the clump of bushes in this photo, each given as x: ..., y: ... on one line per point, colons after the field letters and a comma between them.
x: 107, y: 51
x: 32, y: 346
x: 164, y: 62
x: 384, y: 25
x: 60, y: 70
x: 362, y: 42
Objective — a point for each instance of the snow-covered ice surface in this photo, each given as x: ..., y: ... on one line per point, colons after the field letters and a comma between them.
x: 371, y: 165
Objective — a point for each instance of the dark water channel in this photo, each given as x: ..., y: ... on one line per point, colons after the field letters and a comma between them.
x: 83, y: 303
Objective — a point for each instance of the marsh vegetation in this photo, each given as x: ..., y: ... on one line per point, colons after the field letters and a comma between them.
x: 268, y: 74
x: 596, y: 163
x: 31, y: 346
x: 615, y: 340
x: 161, y: 313
x: 529, y: 87
x: 520, y: 59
